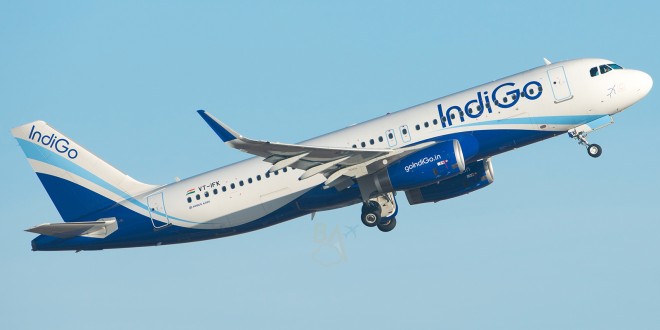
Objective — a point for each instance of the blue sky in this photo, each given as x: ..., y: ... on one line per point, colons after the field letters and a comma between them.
x: 559, y: 241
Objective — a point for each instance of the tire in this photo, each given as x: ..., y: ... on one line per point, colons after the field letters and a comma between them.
x: 387, y: 225
x: 370, y: 219
x: 594, y: 150
x: 370, y: 214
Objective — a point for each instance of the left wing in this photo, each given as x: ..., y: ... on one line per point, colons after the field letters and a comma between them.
x: 336, y: 164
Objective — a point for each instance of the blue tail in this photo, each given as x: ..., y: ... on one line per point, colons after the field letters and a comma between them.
x: 78, y: 182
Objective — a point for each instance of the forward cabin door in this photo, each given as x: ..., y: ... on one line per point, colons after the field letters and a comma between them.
x: 560, y: 87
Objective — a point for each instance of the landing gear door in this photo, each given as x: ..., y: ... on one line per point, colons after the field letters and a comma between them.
x: 157, y: 212
x: 560, y: 88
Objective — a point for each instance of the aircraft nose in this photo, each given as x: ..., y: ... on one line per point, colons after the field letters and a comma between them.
x: 644, y: 83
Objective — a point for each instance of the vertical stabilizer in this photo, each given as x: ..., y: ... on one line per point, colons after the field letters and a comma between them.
x: 78, y: 182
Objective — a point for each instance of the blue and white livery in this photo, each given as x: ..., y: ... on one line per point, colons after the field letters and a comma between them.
x: 433, y: 151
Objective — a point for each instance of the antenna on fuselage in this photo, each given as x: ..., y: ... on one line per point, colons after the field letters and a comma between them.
x: 547, y: 62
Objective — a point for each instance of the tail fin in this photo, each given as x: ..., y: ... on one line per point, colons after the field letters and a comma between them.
x: 78, y: 182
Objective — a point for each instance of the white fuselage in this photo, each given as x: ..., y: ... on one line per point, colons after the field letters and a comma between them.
x: 241, y: 193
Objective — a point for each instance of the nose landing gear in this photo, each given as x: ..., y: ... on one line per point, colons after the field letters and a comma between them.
x: 593, y: 150
x: 580, y: 134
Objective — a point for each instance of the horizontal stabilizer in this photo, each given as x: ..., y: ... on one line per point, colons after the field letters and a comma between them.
x: 96, y: 229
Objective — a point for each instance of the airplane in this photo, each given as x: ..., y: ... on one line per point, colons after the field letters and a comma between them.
x: 431, y: 152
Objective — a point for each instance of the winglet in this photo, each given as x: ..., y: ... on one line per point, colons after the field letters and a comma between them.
x: 224, y: 132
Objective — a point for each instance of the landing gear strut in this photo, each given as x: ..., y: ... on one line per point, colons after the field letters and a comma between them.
x: 380, y: 211
x: 580, y: 134
x: 593, y: 150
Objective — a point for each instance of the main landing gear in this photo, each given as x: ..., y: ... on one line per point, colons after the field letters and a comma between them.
x: 380, y: 212
x: 593, y: 150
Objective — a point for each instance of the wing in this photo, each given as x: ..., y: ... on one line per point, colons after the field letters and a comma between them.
x: 98, y: 229
x: 331, y: 162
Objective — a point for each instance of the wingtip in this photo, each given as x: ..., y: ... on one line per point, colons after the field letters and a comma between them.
x: 225, y: 133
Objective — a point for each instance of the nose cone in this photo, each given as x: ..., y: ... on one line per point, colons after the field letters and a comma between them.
x: 644, y: 83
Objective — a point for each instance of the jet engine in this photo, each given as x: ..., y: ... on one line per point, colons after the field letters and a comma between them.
x: 476, y: 176
x: 438, y: 162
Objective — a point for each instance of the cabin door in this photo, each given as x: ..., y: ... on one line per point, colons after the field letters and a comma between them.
x: 560, y: 88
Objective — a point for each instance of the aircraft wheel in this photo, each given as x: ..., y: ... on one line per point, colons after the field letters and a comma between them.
x: 370, y: 214
x: 594, y: 150
x: 370, y: 218
x: 387, y: 225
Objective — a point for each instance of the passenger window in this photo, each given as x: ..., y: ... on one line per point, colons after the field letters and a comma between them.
x: 593, y: 71
x: 276, y: 173
x: 189, y: 200
x: 224, y: 188
x: 232, y: 186
x: 405, y: 131
x: 354, y: 146
x: 258, y: 177
x: 215, y: 191
x: 206, y: 194
x: 285, y: 169
x: 604, y: 69
x: 363, y: 144
x: 453, y: 116
x: 435, y: 121
x: 391, y: 136
x: 249, y: 180
x: 426, y: 124
x: 505, y: 100
x: 240, y: 183
x: 371, y: 141
x: 380, y: 139
x: 197, y: 197
x: 416, y: 127
x: 267, y: 175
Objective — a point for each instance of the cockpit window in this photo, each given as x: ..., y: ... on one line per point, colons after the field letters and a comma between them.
x: 605, y: 69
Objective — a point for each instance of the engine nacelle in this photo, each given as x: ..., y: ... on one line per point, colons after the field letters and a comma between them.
x: 476, y: 176
x: 435, y: 163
